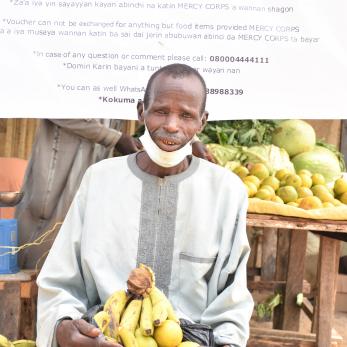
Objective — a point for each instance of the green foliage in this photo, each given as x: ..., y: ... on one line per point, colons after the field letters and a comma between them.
x: 273, y: 157
x: 264, y: 310
x: 238, y: 132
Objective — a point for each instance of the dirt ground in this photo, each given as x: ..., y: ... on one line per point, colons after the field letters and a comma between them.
x: 340, y: 325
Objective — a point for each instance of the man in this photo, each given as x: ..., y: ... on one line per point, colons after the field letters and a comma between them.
x: 63, y: 150
x: 182, y: 216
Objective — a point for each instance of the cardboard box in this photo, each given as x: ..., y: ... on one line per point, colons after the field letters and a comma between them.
x: 341, y: 294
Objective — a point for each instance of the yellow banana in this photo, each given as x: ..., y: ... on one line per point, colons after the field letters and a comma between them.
x: 146, y: 323
x: 138, y: 331
x: 118, y: 300
x: 128, y: 338
x: 131, y: 315
x: 171, y: 314
x: 144, y: 341
x: 108, y: 338
x: 156, y: 295
x: 102, y: 319
x: 160, y: 306
x: 159, y: 313
x: 24, y: 343
x: 4, y: 342
x: 115, y: 311
x: 114, y: 306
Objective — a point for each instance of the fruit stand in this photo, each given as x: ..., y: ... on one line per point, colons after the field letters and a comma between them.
x: 295, y: 183
x: 18, y: 294
x: 289, y: 274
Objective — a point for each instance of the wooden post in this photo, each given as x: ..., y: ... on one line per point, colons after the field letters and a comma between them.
x: 31, y: 133
x: 326, y: 287
x: 22, y: 130
x: 283, y: 240
x: 295, y: 277
x: 343, y: 146
x: 10, y: 303
x: 17, y: 136
x: 268, y: 264
x: 130, y: 127
x: 9, y: 137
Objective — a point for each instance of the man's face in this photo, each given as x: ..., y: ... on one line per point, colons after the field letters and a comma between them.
x: 173, y: 115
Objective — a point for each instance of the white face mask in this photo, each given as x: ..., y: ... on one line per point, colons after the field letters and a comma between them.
x: 163, y: 158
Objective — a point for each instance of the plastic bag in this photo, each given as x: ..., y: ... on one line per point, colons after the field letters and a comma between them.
x: 88, y: 316
x: 256, y: 205
x: 199, y: 333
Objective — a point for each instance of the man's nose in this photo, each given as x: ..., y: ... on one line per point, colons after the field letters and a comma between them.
x: 171, y: 123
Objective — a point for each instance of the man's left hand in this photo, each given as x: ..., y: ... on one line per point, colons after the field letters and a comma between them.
x: 200, y: 150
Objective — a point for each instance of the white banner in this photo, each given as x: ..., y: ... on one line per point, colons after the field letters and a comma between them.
x: 260, y: 58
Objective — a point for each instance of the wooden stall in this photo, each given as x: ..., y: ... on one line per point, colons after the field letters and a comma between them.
x: 18, y: 297
x: 17, y: 137
x: 343, y: 144
x: 283, y: 270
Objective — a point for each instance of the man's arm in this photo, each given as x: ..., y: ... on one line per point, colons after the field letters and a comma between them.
x: 62, y: 292
x: 94, y: 131
x: 79, y: 333
x: 200, y: 150
x: 230, y: 303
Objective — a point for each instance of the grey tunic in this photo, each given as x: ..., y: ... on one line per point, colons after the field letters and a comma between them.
x: 63, y: 150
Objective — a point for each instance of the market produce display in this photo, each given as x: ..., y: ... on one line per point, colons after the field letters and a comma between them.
x: 142, y: 316
x: 4, y: 342
x: 295, y: 136
x: 291, y: 174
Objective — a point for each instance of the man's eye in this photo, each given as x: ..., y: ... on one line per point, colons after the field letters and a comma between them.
x: 162, y: 112
x: 186, y: 115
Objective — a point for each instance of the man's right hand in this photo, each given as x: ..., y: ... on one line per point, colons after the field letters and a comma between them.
x: 128, y: 144
x: 79, y: 333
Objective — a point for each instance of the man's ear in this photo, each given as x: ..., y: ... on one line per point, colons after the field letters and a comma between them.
x: 140, y: 110
x: 204, y: 118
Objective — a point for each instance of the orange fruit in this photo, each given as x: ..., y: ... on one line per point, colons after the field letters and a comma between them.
x: 169, y: 334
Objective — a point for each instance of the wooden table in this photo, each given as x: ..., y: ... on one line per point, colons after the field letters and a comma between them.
x: 289, y: 269
x: 18, y: 297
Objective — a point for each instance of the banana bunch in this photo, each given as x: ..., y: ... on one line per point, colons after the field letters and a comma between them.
x: 4, y: 342
x: 131, y: 318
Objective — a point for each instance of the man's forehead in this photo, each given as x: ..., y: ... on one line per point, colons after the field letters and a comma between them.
x: 164, y: 76
x: 163, y: 81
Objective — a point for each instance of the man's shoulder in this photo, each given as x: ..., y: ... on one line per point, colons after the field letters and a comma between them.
x: 110, y: 164
x: 218, y: 171
x: 222, y: 177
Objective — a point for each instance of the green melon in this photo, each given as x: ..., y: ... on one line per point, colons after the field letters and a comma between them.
x: 295, y: 136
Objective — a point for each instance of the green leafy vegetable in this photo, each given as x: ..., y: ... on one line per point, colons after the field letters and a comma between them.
x: 239, y: 132
x: 265, y: 309
x: 333, y: 149
x: 273, y: 157
x: 224, y: 154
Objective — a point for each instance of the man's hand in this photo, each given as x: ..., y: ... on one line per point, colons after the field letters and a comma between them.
x: 200, y: 150
x: 127, y: 144
x: 79, y: 333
